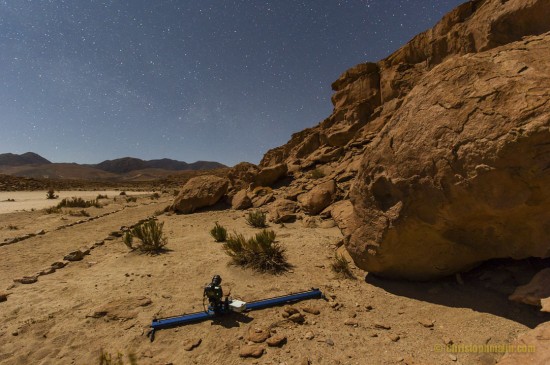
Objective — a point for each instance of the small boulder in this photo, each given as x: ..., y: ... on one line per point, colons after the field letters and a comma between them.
x: 258, y: 335
x: 192, y: 343
x: 241, y: 200
x: 297, y: 318
x: 311, y: 309
x: 58, y: 265
x: 283, y: 211
x: 277, y: 340
x: 269, y: 175
x: 318, y: 198
x: 74, y: 256
x: 3, y: 297
x: 26, y: 280
x: 199, y: 192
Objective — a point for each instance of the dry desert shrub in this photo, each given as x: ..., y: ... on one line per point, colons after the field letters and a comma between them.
x: 107, y: 359
x: 150, y: 234
x: 50, y: 194
x: 260, y: 252
x: 257, y: 219
x: 78, y: 203
x: 219, y: 233
x: 340, y: 266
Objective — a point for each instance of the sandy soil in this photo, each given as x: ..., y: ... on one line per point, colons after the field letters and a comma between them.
x: 27, y: 200
x: 101, y: 303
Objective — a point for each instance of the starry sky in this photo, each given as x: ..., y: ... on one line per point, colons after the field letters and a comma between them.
x: 219, y: 80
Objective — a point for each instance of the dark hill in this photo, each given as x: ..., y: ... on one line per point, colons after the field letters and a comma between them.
x: 29, y: 158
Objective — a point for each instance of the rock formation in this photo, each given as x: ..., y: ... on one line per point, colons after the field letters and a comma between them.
x: 442, y: 147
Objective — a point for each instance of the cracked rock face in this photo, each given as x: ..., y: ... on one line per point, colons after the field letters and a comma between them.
x: 461, y: 172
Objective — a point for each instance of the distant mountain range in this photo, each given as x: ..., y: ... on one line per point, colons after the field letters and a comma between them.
x: 127, y: 168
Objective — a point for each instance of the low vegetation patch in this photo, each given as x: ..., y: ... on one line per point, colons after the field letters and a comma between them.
x: 155, y: 196
x: 260, y: 252
x: 50, y: 194
x: 151, y: 236
x: 13, y: 227
x: 100, y: 196
x: 219, y: 233
x: 107, y: 359
x: 79, y: 213
x: 9, y: 200
x: 78, y: 203
x: 131, y: 199
x: 52, y: 210
x: 257, y: 219
x: 340, y: 266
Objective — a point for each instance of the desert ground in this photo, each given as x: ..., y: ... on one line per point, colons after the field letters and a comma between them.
x: 105, y: 302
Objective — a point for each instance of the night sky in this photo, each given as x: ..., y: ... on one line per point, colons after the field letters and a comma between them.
x: 85, y: 81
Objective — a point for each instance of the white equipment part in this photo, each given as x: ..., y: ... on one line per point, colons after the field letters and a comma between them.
x: 237, y: 306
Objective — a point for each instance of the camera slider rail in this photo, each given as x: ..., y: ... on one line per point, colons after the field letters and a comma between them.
x: 170, y: 322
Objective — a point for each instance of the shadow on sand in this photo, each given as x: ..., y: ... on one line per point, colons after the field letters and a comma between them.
x: 483, y: 289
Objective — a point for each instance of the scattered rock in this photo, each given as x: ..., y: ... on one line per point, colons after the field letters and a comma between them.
x: 74, y: 256
x: 351, y: 322
x: 190, y: 344
x: 26, y: 280
x: 309, y: 335
x: 297, y: 318
x: 382, y: 326
x: 330, y: 342
x: 283, y: 211
x: 3, y: 297
x: 99, y: 243
x: 47, y: 271
x: 394, y: 337
x: 255, y: 351
x: 257, y: 335
x: 40, y: 232
x: 58, y: 265
x: 311, y: 309
x: 276, y: 340
x: 305, y: 361
x: 453, y: 357
x: 427, y: 323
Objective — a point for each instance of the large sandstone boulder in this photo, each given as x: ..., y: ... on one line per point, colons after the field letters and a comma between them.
x: 198, y: 192
x: 460, y: 173
x: 283, y: 211
x: 318, y: 198
x: 269, y: 175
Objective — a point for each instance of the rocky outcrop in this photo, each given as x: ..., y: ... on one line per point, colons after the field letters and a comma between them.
x: 269, y: 175
x: 199, y: 192
x: 445, y: 143
x: 451, y: 178
x: 283, y: 211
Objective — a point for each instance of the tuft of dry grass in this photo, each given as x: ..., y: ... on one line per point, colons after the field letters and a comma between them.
x: 340, y: 266
x: 219, y: 233
x: 257, y: 219
x: 150, y: 234
x: 78, y: 203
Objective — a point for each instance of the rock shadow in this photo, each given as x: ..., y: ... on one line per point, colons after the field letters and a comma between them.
x: 483, y: 289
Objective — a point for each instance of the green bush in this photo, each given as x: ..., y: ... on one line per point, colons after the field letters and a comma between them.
x: 260, y: 252
x: 219, y: 233
x: 151, y: 236
x: 78, y: 203
x: 257, y: 219
x: 340, y: 266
